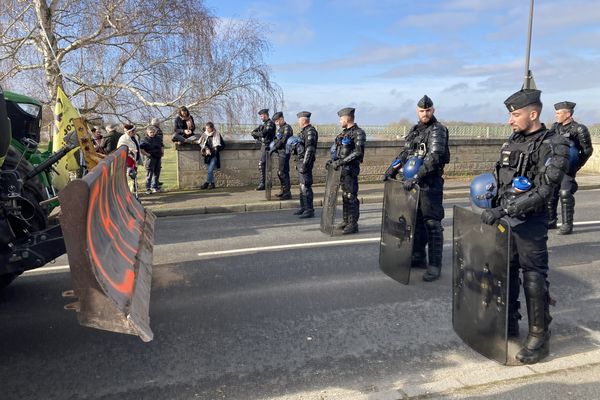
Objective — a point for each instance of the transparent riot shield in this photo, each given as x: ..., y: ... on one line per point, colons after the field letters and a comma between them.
x: 480, y: 268
x: 332, y: 187
x: 397, y: 230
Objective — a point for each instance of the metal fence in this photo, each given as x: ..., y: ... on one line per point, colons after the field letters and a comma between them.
x: 394, y: 132
x: 242, y: 131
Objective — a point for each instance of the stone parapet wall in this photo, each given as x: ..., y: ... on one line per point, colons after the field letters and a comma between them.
x: 592, y: 165
x: 239, y: 161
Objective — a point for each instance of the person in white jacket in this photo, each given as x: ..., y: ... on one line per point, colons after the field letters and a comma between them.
x: 132, y: 141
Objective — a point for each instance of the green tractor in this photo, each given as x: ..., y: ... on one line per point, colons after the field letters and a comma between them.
x: 27, y: 238
x: 107, y: 234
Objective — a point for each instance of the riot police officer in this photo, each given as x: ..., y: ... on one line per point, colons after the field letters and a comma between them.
x: 580, y: 144
x: 284, y: 132
x: 532, y: 164
x: 264, y: 133
x: 349, y: 153
x: 428, y: 142
x: 306, y: 152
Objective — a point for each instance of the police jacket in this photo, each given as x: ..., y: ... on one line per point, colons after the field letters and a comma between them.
x: 432, y: 139
x: 350, y: 146
x: 264, y: 133
x: 307, y: 153
x: 284, y: 132
x: 542, y: 157
x: 579, y: 136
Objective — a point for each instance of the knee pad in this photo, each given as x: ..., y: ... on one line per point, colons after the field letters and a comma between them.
x: 434, y: 225
x: 566, y: 194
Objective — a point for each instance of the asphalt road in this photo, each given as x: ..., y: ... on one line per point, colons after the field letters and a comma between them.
x: 236, y: 318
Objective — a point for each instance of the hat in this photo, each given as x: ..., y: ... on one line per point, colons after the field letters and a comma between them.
x: 346, y: 111
x: 305, y: 114
x: 565, y: 105
x: 425, y: 102
x: 264, y: 111
x: 277, y: 115
x: 523, y: 98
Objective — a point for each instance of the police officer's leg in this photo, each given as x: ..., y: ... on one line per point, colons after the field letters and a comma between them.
x: 344, y: 185
x: 309, y: 210
x: 302, y: 186
x: 419, y: 256
x: 530, y: 240
x: 261, y: 167
x: 568, y: 188
x: 284, y: 167
x: 352, y: 203
x: 433, y: 213
x: 552, y: 206
x: 514, y: 288
x: 280, y: 157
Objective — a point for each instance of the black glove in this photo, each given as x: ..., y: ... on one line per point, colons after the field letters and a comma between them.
x: 409, y: 184
x: 491, y: 215
x: 336, y: 164
x: 387, y: 177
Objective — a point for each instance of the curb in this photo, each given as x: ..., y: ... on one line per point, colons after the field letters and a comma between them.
x: 450, y: 193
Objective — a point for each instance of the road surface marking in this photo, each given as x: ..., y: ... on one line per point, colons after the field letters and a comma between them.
x: 65, y: 268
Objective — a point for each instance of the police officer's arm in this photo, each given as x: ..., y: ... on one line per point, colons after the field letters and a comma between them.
x: 553, y: 163
x: 257, y: 132
x: 269, y: 131
x: 310, y: 146
x: 285, y: 135
x: 437, y: 146
x: 585, y: 141
x: 359, y: 147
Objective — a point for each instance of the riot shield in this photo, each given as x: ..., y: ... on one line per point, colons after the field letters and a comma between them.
x: 332, y: 187
x: 397, y: 230
x: 480, y: 268
x: 268, y: 175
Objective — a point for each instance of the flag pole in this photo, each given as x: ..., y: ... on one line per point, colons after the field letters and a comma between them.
x: 528, y: 76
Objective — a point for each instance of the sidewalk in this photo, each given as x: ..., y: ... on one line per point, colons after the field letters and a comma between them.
x: 228, y: 200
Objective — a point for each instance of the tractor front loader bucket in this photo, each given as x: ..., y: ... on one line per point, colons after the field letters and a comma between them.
x: 109, y: 239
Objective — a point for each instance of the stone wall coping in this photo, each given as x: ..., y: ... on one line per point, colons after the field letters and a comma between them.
x: 325, y: 144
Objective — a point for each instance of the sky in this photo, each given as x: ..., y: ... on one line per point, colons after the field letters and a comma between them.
x: 382, y: 56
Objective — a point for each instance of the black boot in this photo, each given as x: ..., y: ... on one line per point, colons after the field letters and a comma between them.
x: 567, y: 203
x: 435, y: 246
x: 344, y: 222
x: 286, y: 196
x: 537, y: 344
x: 302, y: 205
x: 552, y: 215
x: 513, y: 320
x: 353, y: 214
x: 204, y: 185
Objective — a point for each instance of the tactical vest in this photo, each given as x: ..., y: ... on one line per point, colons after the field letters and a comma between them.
x: 346, y: 144
x: 519, y: 159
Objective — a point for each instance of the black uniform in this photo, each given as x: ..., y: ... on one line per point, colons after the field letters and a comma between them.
x: 542, y: 157
x: 579, y: 138
x: 306, y: 159
x: 432, y: 138
x: 284, y: 132
x: 264, y: 134
x: 349, y: 153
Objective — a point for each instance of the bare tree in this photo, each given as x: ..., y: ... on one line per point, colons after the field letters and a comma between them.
x: 135, y: 59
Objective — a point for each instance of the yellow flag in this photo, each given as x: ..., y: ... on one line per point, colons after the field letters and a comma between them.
x: 64, y: 113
